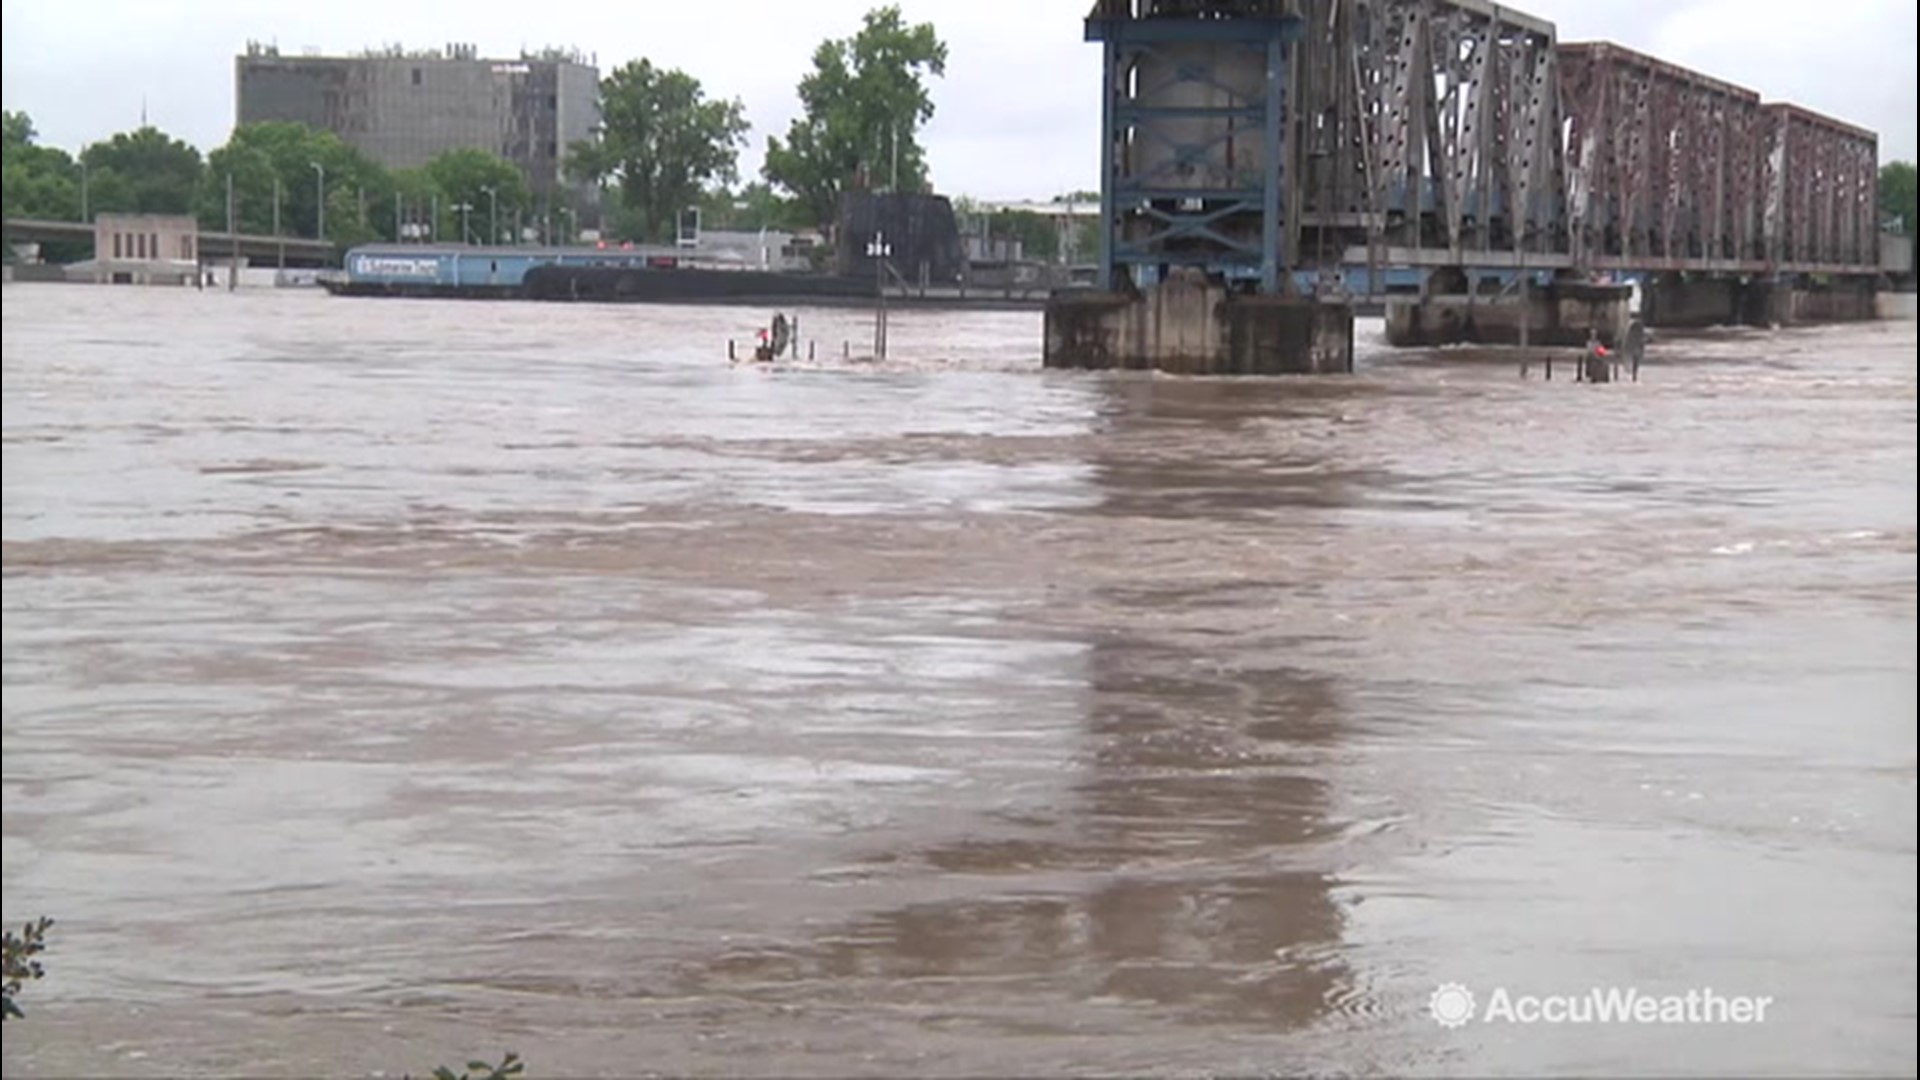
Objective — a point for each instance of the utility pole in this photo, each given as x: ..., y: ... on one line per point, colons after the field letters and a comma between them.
x: 320, y: 191
x: 895, y: 187
x: 466, y: 235
x: 84, y: 216
x: 233, y: 237
x: 493, y: 215
x: 433, y: 218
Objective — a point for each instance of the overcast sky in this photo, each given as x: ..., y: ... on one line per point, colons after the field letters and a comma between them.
x: 1018, y: 110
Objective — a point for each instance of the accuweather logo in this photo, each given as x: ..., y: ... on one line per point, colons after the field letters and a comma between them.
x: 1452, y: 1006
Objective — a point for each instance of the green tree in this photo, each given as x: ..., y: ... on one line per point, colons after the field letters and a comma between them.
x: 145, y: 171
x: 257, y: 155
x: 19, y: 964
x: 864, y: 102
x: 488, y: 185
x: 39, y: 181
x: 1897, y: 193
x: 753, y: 206
x: 420, y: 200
x: 1039, y: 238
x: 660, y: 141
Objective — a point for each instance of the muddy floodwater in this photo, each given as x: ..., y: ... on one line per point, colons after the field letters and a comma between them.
x: 391, y: 683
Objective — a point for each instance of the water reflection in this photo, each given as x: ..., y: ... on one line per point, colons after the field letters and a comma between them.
x: 1180, y: 871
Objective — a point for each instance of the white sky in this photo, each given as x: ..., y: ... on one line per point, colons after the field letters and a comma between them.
x: 1018, y: 110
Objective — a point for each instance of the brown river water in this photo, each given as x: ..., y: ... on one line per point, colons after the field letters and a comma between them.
x: 390, y: 683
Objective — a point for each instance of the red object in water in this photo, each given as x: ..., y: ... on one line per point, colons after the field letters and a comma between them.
x: 1601, y: 350
x: 602, y: 245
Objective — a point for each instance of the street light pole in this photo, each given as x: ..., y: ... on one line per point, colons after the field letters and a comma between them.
x: 466, y: 236
x: 233, y: 237
x: 320, y: 192
x: 493, y: 215
x: 280, y: 241
x: 83, y: 193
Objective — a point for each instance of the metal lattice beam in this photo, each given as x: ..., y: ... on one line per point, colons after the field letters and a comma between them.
x: 1454, y: 132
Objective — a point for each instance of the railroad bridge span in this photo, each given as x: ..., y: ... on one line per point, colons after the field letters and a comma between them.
x: 1264, y: 162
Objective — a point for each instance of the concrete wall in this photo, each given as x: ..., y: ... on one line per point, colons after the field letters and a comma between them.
x: 1561, y: 314
x: 1671, y: 302
x: 1892, y: 305
x: 1896, y: 254
x: 139, y: 239
x: 1771, y: 304
x: 1190, y: 325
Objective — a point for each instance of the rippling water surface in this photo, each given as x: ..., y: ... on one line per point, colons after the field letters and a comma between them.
x: 390, y: 683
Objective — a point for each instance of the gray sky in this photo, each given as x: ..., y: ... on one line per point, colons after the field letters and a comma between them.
x: 1018, y: 110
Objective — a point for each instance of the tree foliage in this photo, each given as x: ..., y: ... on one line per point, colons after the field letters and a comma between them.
x: 864, y: 102
x: 18, y: 952
x: 1897, y: 193
x: 40, y: 181
x: 145, y: 171
x: 510, y: 1067
x: 659, y: 143
x: 257, y: 155
x: 750, y: 207
x: 489, y: 185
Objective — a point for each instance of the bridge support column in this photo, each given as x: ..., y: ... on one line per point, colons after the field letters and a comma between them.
x: 1784, y: 303
x: 1670, y: 300
x: 1560, y: 314
x: 1191, y: 325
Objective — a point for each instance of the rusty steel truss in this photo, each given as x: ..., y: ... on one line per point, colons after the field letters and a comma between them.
x: 1462, y: 133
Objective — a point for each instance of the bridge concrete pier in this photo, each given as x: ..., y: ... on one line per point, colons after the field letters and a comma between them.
x: 1785, y: 304
x: 1561, y: 313
x: 1190, y: 324
x: 1673, y: 301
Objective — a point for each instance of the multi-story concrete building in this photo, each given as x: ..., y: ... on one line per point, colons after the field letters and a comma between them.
x: 402, y: 108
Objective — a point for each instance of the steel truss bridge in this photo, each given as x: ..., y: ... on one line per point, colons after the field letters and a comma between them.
x: 1263, y: 138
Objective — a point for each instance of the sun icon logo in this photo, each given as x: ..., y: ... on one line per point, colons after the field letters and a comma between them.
x: 1451, y: 1005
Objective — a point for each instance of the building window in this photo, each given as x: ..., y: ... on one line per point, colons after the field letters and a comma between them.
x: 116, y: 246
x: 153, y: 245
x: 553, y: 102
x: 553, y: 148
x: 416, y: 76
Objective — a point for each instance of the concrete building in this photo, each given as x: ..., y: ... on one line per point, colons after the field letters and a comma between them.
x: 403, y: 108
x: 142, y: 249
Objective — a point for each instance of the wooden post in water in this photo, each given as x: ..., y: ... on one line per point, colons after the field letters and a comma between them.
x: 879, y: 250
